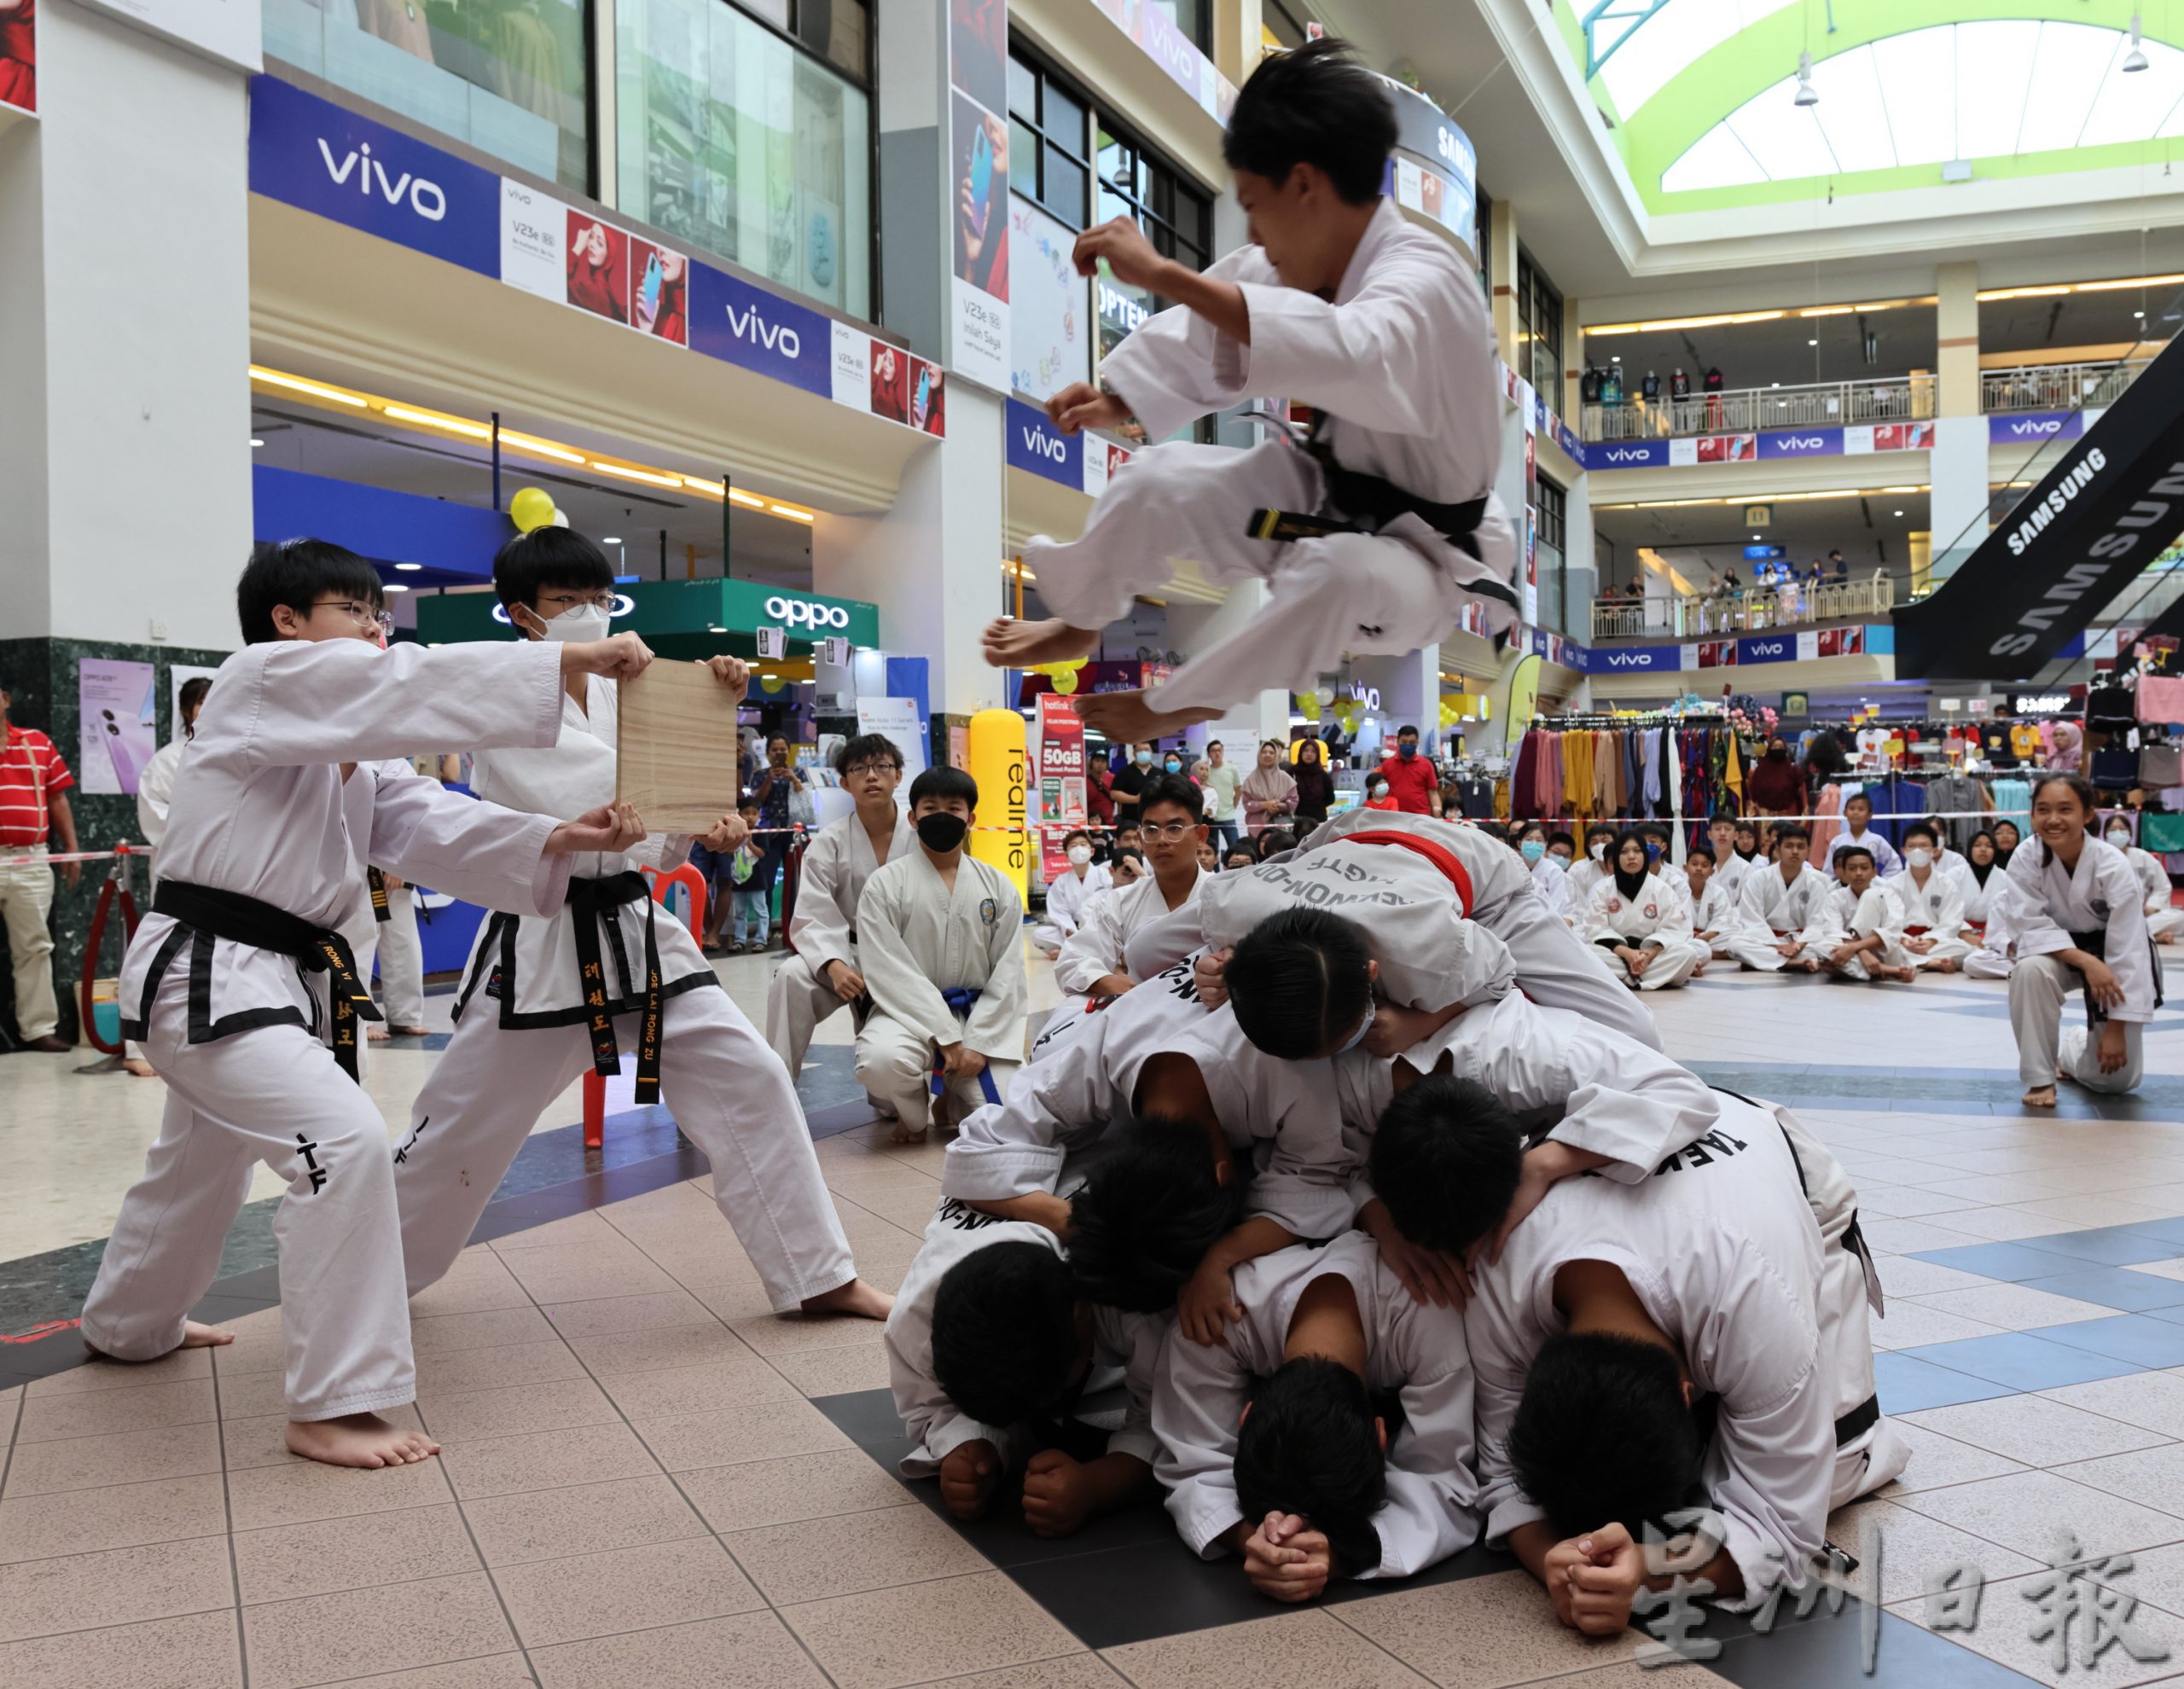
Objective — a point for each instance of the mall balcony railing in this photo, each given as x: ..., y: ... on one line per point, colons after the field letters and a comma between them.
x: 2057, y: 387
x: 1753, y: 610
x: 1745, y: 411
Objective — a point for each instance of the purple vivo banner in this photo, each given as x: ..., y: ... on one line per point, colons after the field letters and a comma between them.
x: 743, y: 325
x: 1037, y: 445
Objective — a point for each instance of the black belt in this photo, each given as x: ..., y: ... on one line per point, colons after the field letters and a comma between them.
x: 590, y: 901
x: 2094, y: 944
x: 245, y: 920
x: 377, y: 880
x: 1858, y: 1421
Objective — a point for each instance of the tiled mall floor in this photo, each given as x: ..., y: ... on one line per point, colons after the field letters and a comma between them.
x: 649, y: 1481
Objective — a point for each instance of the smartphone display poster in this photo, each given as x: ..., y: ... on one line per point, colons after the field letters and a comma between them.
x: 978, y: 135
x: 117, y: 724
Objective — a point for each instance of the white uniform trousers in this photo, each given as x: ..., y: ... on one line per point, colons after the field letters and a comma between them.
x: 2163, y: 923
x: 1877, y: 1453
x: 1674, y: 961
x: 795, y: 1003
x: 1985, y: 964
x: 2039, y: 989
x: 729, y: 1094
x: 401, y: 960
x: 1758, y: 950
x: 1556, y: 967
x: 894, y: 1063
x: 274, y: 1094
x: 1870, y: 916
x: 1948, y: 947
x: 25, y: 900
x: 1355, y: 593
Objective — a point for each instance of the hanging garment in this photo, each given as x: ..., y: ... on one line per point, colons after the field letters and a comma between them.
x: 1897, y: 804
x: 2014, y: 803
x: 2115, y: 768
x: 1948, y: 794
x: 1827, y: 823
x: 2161, y: 764
x: 2160, y: 698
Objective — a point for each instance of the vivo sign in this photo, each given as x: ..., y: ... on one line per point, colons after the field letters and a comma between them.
x: 427, y: 198
x: 738, y: 323
x: 1035, y: 447
x: 805, y: 612
x: 1645, y: 657
x: 1614, y: 455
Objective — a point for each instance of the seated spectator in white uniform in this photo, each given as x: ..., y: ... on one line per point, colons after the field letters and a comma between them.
x: 1729, y: 868
x: 2163, y: 919
x: 940, y: 943
x: 1858, y: 932
x: 1735, y: 1273
x: 1990, y: 906
x: 822, y: 976
x: 1092, y: 962
x: 1067, y: 895
x: 1713, y: 908
x: 1550, y: 876
x: 1932, y: 897
x: 1779, y: 902
x: 1600, y: 840
x: 1857, y: 829
x: 1634, y: 918
x: 2082, y: 923
x: 1271, y: 1443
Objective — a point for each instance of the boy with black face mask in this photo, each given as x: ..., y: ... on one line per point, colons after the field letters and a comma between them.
x: 940, y: 942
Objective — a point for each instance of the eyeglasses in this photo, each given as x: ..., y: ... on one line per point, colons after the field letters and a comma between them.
x: 362, y: 614
x: 1169, y: 830
x: 569, y: 601
x: 884, y: 767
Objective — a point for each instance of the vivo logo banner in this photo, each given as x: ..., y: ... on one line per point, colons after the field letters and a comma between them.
x: 2037, y: 425
x: 1802, y: 443
x: 1634, y: 659
x: 1036, y: 445
x: 1767, y: 648
x: 313, y: 154
x: 741, y: 324
x: 1630, y: 455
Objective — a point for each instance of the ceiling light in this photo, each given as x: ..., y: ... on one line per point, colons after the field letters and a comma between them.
x: 255, y: 444
x: 611, y: 539
x: 2138, y: 315
x: 297, y: 383
x: 739, y: 496
x: 1812, y: 343
x: 1809, y: 95
x: 2135, y: 60
x: 394, y: 586
x: 1899, y: 512
x: 539, y: 447
x: 791, y: 512
x: 453, y: 425
x: 409, y: 568
x: 649, y: 475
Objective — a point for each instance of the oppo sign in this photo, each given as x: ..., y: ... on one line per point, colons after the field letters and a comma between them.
x: 802, y: 612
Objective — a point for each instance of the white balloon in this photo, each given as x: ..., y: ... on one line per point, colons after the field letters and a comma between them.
x: 559, y: 520
x: 1325, y: 694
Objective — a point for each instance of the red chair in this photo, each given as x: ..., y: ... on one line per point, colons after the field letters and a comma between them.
x: 595, y: 1085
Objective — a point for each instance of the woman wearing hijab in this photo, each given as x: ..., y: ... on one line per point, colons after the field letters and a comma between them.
x: 1775, y: 785
x: 1639, y: 920
x: 1987, y: 903
x: 1315, y: 785
x: 2005, y: 842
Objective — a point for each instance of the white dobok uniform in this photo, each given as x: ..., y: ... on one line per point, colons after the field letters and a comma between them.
x: 1767, y: 1307
x: 1413, y: 1349
x: 524, y: 1033
x: 936, y: 1427
x: 1401, y: 364
x: 1935, y: 909
x: 917, y: 943
x: 1655, y: 920
x: 1730, y: 875
x: 2164, y: 918
x: 1108, y: 921
x: 1844, y: 914
x: 1585, y: 874
x: 2099, y: 909
x: 1770, y: 913
x: 1553, y: 880
x: 1066, y: 901
x: 1887, y: 863
x: 154, y: 791
x: 402, y: 957
x: 1990, y: 922
x: 837, y: 863
x: 1716, y: 913
x: 1083, y: 1076
x: 240, y: 1032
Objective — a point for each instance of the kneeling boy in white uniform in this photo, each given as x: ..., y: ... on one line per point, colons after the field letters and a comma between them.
x: 1858, y: 931
x: 1713, y: 904
x: 542, y: 994
x: 240, y: 977
x: 940, y: 936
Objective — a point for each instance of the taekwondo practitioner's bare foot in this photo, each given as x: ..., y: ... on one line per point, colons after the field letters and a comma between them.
x: 358, y: 1440
x: 1902, y: 976
x: 856, y: 1298
x: 194, y: 1335
x: 378, y: 1034
x: 905, y: 1133
x: 2040, y: 1096
x: 139, y: 1066
x: 1125, y: 718
x: 1008, y: 643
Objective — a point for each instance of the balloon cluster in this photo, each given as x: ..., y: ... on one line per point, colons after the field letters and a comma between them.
x: 1063, y: 675
x: 1452, y: 712
x: 1308, y: 705
x: 533, y: 508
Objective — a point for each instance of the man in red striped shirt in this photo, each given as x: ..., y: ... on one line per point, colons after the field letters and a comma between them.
x: 34, y: 807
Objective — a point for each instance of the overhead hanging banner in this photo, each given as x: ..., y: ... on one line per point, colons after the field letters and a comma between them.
x: 978, y: 151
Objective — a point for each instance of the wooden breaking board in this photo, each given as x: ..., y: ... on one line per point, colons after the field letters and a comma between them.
x: 676, y: 748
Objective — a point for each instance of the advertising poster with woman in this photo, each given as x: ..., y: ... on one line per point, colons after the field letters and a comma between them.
x: 19, y: 54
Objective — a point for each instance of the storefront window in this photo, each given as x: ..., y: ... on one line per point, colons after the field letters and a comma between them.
x: 734, y: 140
x: 509, y: 76
x: 1539, y: 330
x: 1551, y: 515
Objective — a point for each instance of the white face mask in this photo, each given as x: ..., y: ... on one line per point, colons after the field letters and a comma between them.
x: 1379, y: 788
x: 577, y: 625
x: 1919, y: 856
x: 1597, y: 849
x: 1080, y: 854
x: 2119, y: 839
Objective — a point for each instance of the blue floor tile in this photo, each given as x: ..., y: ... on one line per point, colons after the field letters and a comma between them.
x: 2145, y: 1342
x: 2010, y: 1262
x: 1907, y: 1385
x: 2114, y: 1287
x: 2111, y: 1245
x: 2026, y: 1361
x: 2169, y: 1231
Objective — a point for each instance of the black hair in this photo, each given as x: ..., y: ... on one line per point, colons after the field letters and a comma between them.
x: 1242, y: 850
x: 1411, y: 731
x: 1151, y: 1207
x: 1723, y: 816
x: 945, y: 781
x: 1932, y: 837
x: 868, y: 748
x: 294, y: 572
x: 1167, y: 788
x: 1073, y: 835
x: 1274, y: 840
x: 190, y: 698
x: 1791, y: 830
x: 1004, y: 1331
x: 1848, y: 851
x: 1445, y: 1158
x: 1555, y: 839
x: 1858, y: 797
x: 1126, y: 853
x: 552, y: 556
x: 1316, y: 106
x: 1299, y: 983
x: 2080, y: 787
x: 1311, y: 1446
x: 1598, y: 830
x: 1603, y: 1432
x: 1526, y: 830
x: 1705, y: 850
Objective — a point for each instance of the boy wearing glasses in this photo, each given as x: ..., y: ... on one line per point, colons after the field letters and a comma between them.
x: 821, y: 975
x: 241, y: 973
x: 548, y: 995
x: 1092, y: 962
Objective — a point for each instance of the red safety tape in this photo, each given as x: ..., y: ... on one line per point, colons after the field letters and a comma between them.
x: 37, y: 1333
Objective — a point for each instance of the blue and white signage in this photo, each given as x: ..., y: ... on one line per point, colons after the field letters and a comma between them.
x: 1627, y: 455
x: 1634, y: 659
x: 1802, y: 443
x: 1036, y: 444
x: 2030, y: 427
x: 741, y: 324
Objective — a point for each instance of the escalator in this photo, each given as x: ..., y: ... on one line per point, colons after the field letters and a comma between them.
x: 2100, y: 507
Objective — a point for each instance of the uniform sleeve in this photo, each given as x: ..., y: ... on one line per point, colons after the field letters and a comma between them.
x: 153, y: 793
x: 1176, y: 366
x: 1347, y: 358
x: 899, y: 985
x: 1197, y: 1400
x: 1310, y: 1183
x: 1143, y: 1337
x: 1599, y: 929
x: 820, y: 928
x: 1429, y: 1513
x: 2154, y: 879
x: 935, y: 1426
x: 1624, y: 1100
x: 996, y: 1027
x: 2130, y: 947
x: 340, y: 700
x: 1160, y: 945
x: 1752, y: 908
x: 470, y: 848
x: 1091, y: 953
x: 1016, y: 1146
x: 2038, y: 933
x: 1497, y: 1389
x: 662, y: 852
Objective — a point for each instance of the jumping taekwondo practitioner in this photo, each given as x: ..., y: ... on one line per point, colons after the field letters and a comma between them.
x: 1377, y: 530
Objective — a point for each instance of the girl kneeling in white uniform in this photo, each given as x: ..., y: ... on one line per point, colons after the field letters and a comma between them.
x: 1634, y: 916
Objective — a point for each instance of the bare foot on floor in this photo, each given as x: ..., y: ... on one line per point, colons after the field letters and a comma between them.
x: 907, y: 1133
x: 139, y: 1066
x: 1011, y: 644
x: 194, y: 1335
x: 856, y: 1297
x: 378, y: 1034
x: 2040, y: 1096
x: 410, y: 1031
x: 358, y: 1440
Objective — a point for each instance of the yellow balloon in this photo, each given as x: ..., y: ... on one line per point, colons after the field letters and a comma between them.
x: 1065, y: 681
x: 1309, y: 708
x: 771, y: 684
x: 532, y: 507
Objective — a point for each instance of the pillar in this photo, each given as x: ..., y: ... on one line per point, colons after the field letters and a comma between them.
x: 1571, y: 406
x: 1501, y: 270
x: 1956, y: 333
